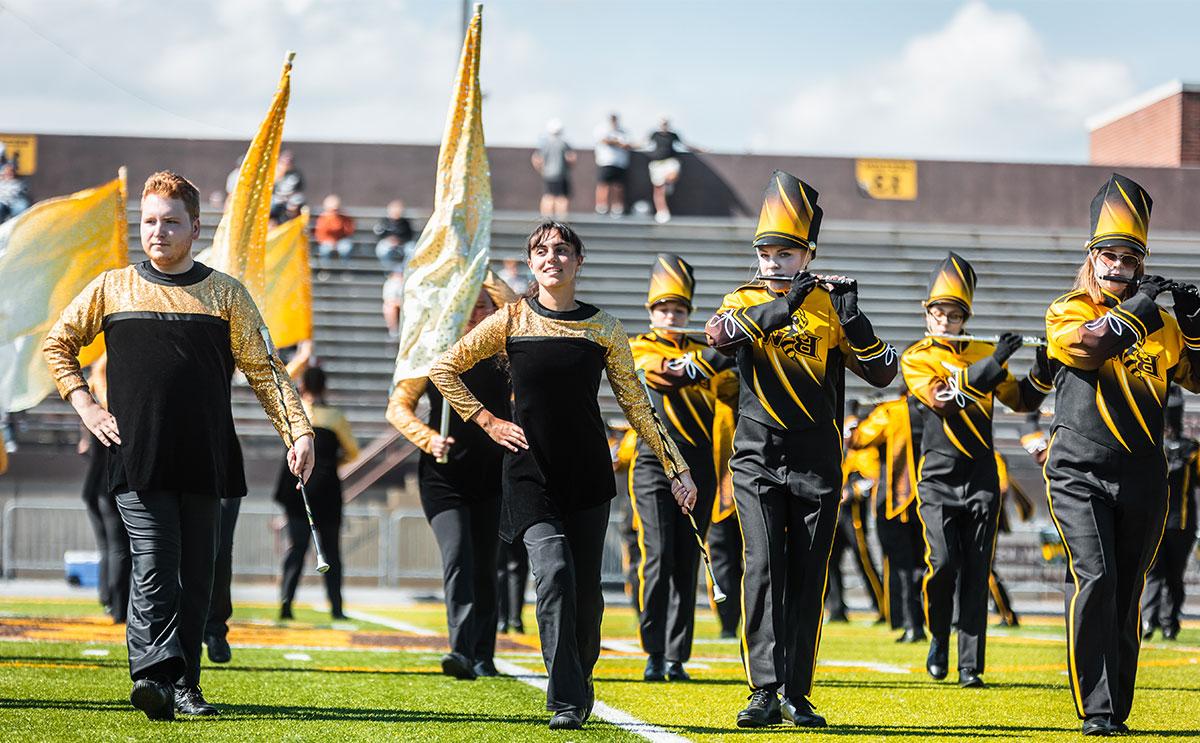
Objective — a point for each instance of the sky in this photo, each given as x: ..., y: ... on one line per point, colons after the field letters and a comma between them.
x: 934, y: 79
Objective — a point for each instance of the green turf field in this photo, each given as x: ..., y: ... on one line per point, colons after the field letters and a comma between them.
x: 63, y: 676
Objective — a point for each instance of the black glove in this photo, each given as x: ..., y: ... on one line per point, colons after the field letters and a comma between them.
x: 1187, y: 304
x: 1041, y: 364
x: 847, y: 299
x: 1006, y: 346
x: 1152, y: 286
x: 803, y: 283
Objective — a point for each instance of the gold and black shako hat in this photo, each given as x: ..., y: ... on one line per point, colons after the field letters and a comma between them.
x: 671, y: 278
x: 953, y: 280
x: 790, y: 216
x: 1121, y: 215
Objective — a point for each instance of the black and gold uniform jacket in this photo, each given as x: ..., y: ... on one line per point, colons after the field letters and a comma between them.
x: 890, y: 429
x: 1117, y: 361
x: 173, y: 341
x: 1183, y: 477
x: 957, y: 383
x: 686, y: 380
x: 1011, y: 492
x: 792, y: 364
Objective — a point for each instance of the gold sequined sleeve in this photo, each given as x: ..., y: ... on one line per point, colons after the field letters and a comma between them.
x: 77, y: 326
x: 253, y: 359
x: 486, y: 340
x: 401, y: 412
x: 631, y: 396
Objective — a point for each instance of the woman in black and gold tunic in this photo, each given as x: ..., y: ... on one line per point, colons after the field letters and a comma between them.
x: 461, y: 497
x: 1106, y: 476
x: 558, y: 472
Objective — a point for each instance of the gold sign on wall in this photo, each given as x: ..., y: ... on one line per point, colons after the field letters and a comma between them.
x: 20, y: 149
x: 894, y: 180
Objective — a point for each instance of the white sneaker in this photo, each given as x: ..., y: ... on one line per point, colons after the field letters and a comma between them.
x: 662, y: 217
x: 601, y: 209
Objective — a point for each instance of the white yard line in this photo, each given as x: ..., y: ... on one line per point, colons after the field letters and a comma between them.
x: 881, y: 667
x: 622, y: 646
x: 395, y: 624
x: 620, y: 718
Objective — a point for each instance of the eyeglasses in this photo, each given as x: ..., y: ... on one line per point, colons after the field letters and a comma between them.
x: 1128, y: 260
x: 941, y: 316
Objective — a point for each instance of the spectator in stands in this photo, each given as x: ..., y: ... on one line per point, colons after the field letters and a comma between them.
x: 289, y: 183
x: 553, y: 160
x: 334, y: 232
x: 393, y: 302
x: 514, y: 273
x: 396, y: 238
x: 335, y: 445
x: 612, y: 167
x: 14, y: 193
x: 664, y: 166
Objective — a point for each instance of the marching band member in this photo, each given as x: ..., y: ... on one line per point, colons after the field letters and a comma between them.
x: 685, y: 378
x: 860, y: 470
x: 559, y: 481
x: 1105, y: 470
x: 792, y: 338
x: 958, y: 491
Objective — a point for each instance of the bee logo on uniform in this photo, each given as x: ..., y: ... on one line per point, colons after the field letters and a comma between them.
x: 795, y: 343
x: 1139, y: 363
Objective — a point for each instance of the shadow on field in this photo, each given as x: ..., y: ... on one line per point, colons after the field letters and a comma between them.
x: 954, y: 732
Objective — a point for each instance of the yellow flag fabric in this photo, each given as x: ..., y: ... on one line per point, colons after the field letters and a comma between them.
x: 47, y: 255
x: 287, y: 304
x: 239, y: 244
x: 447, y: 268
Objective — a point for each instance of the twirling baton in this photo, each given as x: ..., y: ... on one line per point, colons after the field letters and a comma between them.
x: 718, y: 594
x: 322, y: 564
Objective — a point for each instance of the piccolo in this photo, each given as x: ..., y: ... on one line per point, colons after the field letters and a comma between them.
x: 822, y: 279
x: 1027, y: 340
x: 1172, y: 286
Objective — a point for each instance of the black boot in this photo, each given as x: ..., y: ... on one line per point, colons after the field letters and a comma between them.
x: 656, y: 668
x: 1099, y: 725
x: 485, y: 668
x: 218, y: 649
x: 799, y: 712
x: 968, y: 679
x: 676, y: 672
x: 458, y: 666
x: 939, y: 658
x: 763, y: 710
x: 189, y: 701
x: 285, y: 610
x: 568, y: 719
x: 154, y: 697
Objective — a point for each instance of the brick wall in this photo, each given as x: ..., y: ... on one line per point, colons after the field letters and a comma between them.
x: 1150, y: 136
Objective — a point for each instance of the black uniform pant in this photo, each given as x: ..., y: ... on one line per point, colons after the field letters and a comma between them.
x: 173, y: 542
x: 670, y: 554
x: 851, y: 536
x: 787, y: 489
x: 512, y: 574
x: 1162, y: 601
x: 328, y: 531
x: 725, y: 551
x: 220, y: 607
x: 468, y: 538
x: 904, y: 559
x: 1110, y: 509
x: 959, y: 505
x: 565, y: 556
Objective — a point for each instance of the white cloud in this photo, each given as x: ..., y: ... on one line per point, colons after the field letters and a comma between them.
x: 982, y: 87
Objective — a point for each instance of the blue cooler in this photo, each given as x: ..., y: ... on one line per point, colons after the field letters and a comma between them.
x: 83, y: 567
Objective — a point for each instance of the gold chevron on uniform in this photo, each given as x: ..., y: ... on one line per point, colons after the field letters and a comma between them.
x: 671, y: 278
x: 952, y: 281
x: 790, y: 216
x: 1121, y: 215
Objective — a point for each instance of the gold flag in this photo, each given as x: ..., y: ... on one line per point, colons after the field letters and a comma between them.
x: 48, y: 254
x: 450, y: 260
x: 239, y: 244
x: 287, y: 305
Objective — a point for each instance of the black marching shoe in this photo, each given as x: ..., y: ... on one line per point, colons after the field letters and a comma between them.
x: 763, y: 710
x: 1147, y: 631
x: 912, y: 635
x: 485, y: 668
x: 155, y: 698
x: 456, y: 665
x: 968, y: 679
x: 676, y: 672
x: 1170, y: 633
x: 838, y: 617
x: 218, y: 649
x: 799, y: 712
x: 656, y: 668
x: 939, y: 658
x: 285, y: 611
x: 568, y: 719
x: 1120, y: 727
x: 1099, y: 725
x: 189, y: 701
x: 728, y: 634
